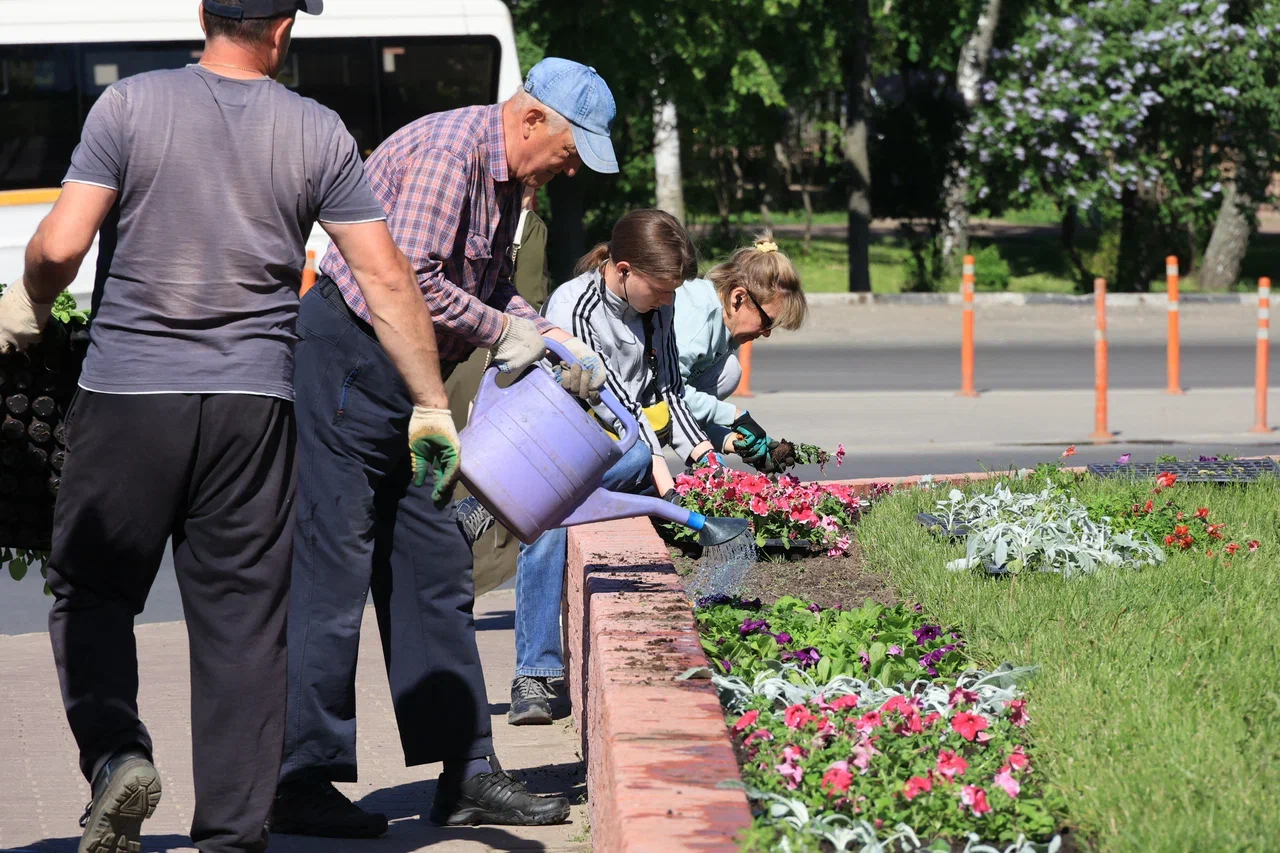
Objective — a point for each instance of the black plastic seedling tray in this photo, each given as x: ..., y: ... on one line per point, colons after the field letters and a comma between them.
x: 937, y: 525
x: 1233, y: 471
x: 36, y: 388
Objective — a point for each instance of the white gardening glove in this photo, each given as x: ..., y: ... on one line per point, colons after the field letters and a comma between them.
x: 21, y: 319
x: 519, y: 345
x: 591, y: 363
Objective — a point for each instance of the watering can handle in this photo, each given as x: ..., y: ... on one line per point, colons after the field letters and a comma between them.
x: 626, y: 420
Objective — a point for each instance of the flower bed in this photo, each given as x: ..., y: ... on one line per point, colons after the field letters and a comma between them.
x: 830, y: 755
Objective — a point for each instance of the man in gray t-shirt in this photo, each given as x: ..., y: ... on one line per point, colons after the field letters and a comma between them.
x: 204, y: 182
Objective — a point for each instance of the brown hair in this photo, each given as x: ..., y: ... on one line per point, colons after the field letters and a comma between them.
x: 652, y: 241
x: 766, y: 273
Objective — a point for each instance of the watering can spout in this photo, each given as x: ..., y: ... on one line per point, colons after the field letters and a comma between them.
x: 604, y: 505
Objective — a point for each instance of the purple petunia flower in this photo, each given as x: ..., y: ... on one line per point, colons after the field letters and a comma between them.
x: 925, y: 633
x: 728, y: 667
x: 751, y: 604
x: 782, y: 637
x: 919, y: 608
x: 814, y: 608
x: 895, y: 650
x: 866, y: 661
x: 805, y: 657
x: 750, y: 626
x: 1208, y: 459
x: 713, y: 600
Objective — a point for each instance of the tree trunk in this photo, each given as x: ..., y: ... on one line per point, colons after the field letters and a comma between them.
x: 857, y: 82
x: 1135, y: 267
x: 808, y: 219
x: 666, y: 159
x: 1222, y: 259
x: 969, y: 76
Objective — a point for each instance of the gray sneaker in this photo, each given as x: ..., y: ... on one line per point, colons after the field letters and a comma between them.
x: 473, y: 520
x: 126, y: 792
x: 530, y: 701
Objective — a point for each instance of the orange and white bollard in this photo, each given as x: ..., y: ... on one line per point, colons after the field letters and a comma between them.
x: 308, y: 274
x: 1264, y: 355
x: 966, y: 336
x: 744, y: 384
x: 1100, y: 431
x: 1175, y: 344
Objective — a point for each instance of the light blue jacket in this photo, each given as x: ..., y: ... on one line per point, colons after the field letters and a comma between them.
x: 708, y: 354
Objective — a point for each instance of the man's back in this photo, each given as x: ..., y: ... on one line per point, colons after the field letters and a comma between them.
x: 220, y: 182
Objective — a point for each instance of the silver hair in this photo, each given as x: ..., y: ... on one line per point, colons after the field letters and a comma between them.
x: 522, y: 101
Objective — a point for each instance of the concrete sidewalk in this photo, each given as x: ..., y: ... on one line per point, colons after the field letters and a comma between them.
x: 934, y: 421
x: 42, y: 793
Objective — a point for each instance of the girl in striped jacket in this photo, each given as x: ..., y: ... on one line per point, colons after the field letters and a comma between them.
x: 621, y: 305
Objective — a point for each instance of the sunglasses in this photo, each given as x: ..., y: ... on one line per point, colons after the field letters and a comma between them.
x: 766, y: 322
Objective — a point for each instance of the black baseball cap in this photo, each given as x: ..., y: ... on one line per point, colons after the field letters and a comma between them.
x: 263, y: 8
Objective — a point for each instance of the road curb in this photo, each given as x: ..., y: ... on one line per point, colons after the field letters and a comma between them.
x: 657, y: 749
x: 1157, y: 301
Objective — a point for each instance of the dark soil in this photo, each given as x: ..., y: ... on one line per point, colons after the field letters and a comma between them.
x: 814, y: 577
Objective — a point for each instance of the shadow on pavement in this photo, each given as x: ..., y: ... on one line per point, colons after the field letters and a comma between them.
x: 497, y: 620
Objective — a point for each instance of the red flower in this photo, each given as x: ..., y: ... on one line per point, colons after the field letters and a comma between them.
x: 968, y: 725
x: 1232, y: 548
x: 1202, y: 512
x: 1170, y: 539
x: 1181, y: 530
x: 803, y: 514
x: 1070, y: 451
x: 951, y: 765
x: 1018, y: 713
x: 759, y: 506
x: 1209, y: 553
x: 797, y: 716
x: 837, y: 779
x: 867, y: 722
x: 931, y: 719
x: 1166, y: 479
x: 916, y: 786
x: 754, y: 485
x: 1149, y: 506
x: 758, y: 734
x: 1214, y: 530
x: 897, y: 703
x: 842, y: 702
x: 1018, y: 760
x: 975, y: 798
x: 1254, y: 545
x: 746, y: 720
x: 960, y: 696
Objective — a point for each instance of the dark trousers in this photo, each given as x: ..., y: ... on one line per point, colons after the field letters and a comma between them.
x: 217, y: 473
x: 362, y: 525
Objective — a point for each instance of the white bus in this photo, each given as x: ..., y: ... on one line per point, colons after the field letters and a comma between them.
x: 379, y: 63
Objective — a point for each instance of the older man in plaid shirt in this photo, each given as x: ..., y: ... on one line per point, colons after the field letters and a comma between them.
x: 452, y: 185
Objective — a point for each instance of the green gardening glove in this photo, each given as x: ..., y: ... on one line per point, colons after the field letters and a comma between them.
x: 755, y: 442
x: 434, y: 447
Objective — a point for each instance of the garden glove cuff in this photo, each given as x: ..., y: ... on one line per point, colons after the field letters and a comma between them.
x: 591, y: 362
x: 434, y: 447
x: 519, y: 345
x: 21, y: 318
x: 754, y: 442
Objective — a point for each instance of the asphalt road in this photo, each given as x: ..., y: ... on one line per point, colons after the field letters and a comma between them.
x: 1040, y: 366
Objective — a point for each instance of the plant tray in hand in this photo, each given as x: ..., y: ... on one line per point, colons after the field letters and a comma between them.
x: 1233, y: 471
x: 36, y: 388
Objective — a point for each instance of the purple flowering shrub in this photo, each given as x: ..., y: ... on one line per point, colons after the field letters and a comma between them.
x: 890, y: 644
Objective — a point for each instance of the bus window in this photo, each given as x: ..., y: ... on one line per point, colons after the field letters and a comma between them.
x: 425, y: 75
x: 39, y: 115
x: 105, y: 64
x: 338, y: 73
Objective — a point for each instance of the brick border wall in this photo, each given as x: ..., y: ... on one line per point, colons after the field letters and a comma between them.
x: 656, y: 748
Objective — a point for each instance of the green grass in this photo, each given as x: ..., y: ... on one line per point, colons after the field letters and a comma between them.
x: 1158, y: 708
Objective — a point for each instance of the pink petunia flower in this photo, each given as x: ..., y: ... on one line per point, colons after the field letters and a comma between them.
x: 839, y: 455
x: 746, y: 720
x: 867, y: 722
x: 1018, y: 760
x: 916, y: 786
x: 789, y: 769
x: 951, y: 765
x: 968, y: 725
x: 960, y: 696
x: 797, y: 716
x: 758, y: 734
x: 837, y: 779
x: 842, y: 702
x: 1005, y: 780
x: 1018, y: 713
x: 975, y: 798
x: 759, y: 506
x: 863, y: 751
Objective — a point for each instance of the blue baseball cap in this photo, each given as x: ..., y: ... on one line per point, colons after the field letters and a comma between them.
x: 579, y: 94
x: 263, y: 8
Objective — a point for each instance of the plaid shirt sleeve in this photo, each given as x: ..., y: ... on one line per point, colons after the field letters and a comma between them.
x: 507, y: 299
x: 425, y: 221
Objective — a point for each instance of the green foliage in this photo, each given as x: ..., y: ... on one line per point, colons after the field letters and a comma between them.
x: 990, y: 271
x: 1133, y: 113
x: 890, y: 644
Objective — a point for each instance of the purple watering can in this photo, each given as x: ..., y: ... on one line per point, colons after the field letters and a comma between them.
x: 536, y: 460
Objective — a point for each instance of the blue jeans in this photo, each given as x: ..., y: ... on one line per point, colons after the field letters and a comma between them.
x: 540, y: 575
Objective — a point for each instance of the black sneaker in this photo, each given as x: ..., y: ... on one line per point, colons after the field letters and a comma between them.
x: 126, y: 792
x: 494, y: 798
x: 530, y: 701
x: 473, y: 519
x: 312, y: 807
